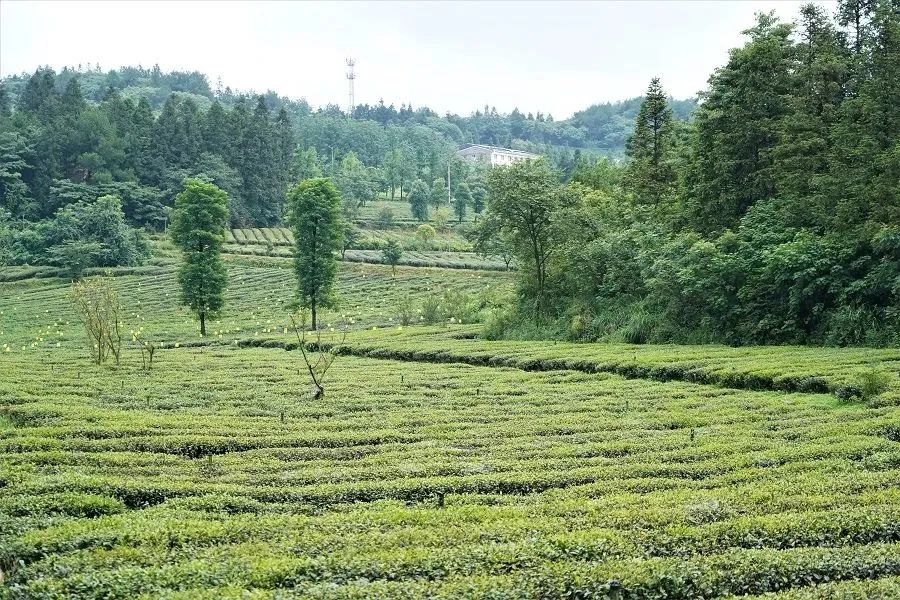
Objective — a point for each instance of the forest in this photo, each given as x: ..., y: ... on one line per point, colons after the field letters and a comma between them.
x: 773, y: 217
x: 766, y: 213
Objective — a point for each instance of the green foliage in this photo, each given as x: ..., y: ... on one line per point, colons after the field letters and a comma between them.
x: 306, y: 165
x: 88, y: 233
x: 351, y: 237
x: 461, y: 201
x: 650, y: 174
x: 419, y: 195
x: 385, y: 218
x: 74, y: 256
x: 736, y: 132
x: 872, y: 383
x: 771, y: 219
x: 524, y: 200
x: 425, y: 234
x: 392, y: 254
x: 314, y: 214
x: 439, y: 196
x: 198, y: 229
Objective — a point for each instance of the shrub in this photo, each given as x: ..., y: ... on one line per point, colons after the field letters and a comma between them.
x: 424, y: 235
x: 872, y: 383
x: 406, y: 314
x: 431, y: 310
x: 386, y: 218
x: 96, y: 302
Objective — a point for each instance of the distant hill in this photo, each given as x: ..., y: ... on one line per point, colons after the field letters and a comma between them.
x: 601, y: 128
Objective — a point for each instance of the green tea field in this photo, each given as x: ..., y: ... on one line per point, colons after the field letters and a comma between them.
x: 438, y: 464
x: 446, y: 249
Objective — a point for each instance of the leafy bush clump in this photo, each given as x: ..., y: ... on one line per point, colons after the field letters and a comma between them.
x: 872, y: 383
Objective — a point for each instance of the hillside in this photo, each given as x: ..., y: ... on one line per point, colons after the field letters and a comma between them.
x: 601, y: 128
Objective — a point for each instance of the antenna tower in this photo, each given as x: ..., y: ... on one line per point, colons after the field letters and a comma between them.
x: 351, y: 76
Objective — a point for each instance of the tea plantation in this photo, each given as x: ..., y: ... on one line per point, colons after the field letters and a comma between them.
x: 437, y: 465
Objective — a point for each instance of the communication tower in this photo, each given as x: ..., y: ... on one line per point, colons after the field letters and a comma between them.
x: 351, y: 76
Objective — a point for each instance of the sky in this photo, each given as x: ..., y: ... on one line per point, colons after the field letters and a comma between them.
x: 553, y: 57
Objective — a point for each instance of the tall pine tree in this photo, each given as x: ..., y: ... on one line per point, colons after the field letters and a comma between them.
x: 651, y: 172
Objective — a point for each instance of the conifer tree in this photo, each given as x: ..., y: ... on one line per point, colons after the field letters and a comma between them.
x: 651, y: 173
x: 737, y: 126
x: 215, y: 131
x: 818, y: 87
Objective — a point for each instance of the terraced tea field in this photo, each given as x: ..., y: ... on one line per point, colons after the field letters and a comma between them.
x: 445, y: 250
x: 437, y: 465
x: 35, y: 315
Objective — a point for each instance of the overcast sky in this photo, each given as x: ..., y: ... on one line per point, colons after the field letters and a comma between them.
x: 553, y: 57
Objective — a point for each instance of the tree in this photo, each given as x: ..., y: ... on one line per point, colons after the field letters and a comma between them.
x: 355, y: 182
x: 392, y: 167
x: 438, y: 192
x: 524, y: 198
x: 819, y: 86
x: 198, y: 228
x: 321, y: 356
x: 385, y: 218
x: 74, y: 256
x: 738, y: 125
x: 418, y: 200
x: 13, y: 191
x: 96, y: 303
x: 263, y: 193
x: 651, y: 173
x: 392, y: 253
x: 314, y: 214
x: 306, y: 165
x: 478, y: 195
x: 424, y: 235
x: 351, y: 236
x: 461, y: 200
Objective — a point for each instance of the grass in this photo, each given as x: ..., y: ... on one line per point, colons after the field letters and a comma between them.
x: 438, y: 464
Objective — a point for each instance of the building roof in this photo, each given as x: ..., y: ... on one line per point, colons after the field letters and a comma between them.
x: 499, y: 149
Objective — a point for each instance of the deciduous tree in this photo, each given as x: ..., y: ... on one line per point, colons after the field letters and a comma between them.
x: 314, y: 214
x: 198, y: 228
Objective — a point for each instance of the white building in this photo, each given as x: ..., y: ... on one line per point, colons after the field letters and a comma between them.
x: 493, y: 155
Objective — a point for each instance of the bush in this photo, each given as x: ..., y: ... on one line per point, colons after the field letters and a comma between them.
x: 431, y: 310
x: 873, y: 382
x: 424, y: 235
x: 386, y: 218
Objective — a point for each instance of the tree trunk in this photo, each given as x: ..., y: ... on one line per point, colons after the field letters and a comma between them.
x: 312, y: 306
x: 202, y: 323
